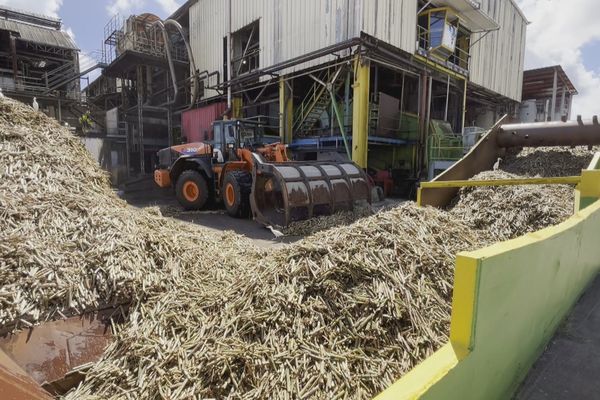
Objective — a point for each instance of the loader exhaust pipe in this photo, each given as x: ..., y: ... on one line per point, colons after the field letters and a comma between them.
x: 536, y: 134
x: 293, y: 191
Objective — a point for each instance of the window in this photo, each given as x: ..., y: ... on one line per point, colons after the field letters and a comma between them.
x: 246, y: 50
x: 442, y: 36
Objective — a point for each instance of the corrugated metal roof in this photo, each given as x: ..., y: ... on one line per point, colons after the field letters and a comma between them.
x: 39, y: 35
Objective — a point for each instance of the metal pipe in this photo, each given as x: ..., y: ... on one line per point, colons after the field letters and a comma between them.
x: 169, y: 58
x: 555, y: 133
x: 195, y: 82
x: 291, y: 62
x: 229, y: 50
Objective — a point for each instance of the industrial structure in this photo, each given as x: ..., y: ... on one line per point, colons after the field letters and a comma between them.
x: 391, y: 85
x: 547, y: 95
x: 144, y: 88
x: 39, y: 60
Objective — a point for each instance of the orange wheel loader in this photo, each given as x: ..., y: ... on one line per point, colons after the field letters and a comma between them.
x: 252, y: 175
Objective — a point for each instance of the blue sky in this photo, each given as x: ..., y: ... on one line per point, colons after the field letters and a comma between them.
x: 590, y: 54
x: 87, y: 18
x: 564, y: 32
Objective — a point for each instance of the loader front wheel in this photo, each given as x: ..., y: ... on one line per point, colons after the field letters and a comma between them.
x: 191, y: 190
x: 236, y: 193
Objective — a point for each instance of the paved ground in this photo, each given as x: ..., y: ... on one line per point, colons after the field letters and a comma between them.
x: 569, y: 369
x: 144, y: 193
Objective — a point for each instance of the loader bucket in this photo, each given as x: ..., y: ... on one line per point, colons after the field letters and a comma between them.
x: 293, y: 191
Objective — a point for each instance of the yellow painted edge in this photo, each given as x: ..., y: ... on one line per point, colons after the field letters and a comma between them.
x: 569, y: 180
x: 418, y: 381
x: 595, y: 164
x: 466, y: 286
x: 440, y: 68
x: 419, y: 197
x: 590, y: 183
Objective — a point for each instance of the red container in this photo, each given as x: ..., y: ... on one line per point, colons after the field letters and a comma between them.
x: 197, y: 123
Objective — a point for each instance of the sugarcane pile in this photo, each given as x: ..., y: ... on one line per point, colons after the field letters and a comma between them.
x: 341, y: 314
x: 506, y: 212
x: 547, y: 161
x: 67, y: 243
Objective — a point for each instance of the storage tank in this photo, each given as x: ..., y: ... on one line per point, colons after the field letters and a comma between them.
x: 528, y: 111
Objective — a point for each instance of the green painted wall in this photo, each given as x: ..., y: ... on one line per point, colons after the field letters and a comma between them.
x: 523, y: 295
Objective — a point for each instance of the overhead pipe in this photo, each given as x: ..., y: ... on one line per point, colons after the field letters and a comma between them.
x: 195, y: 79
x: 536, y: 134
x: 161, y: 25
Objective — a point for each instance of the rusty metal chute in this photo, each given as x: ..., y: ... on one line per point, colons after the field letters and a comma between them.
x: 503, y: 136
x: 293, y: 191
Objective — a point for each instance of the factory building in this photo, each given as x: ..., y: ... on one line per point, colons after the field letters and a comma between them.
x: 390, y: 84
x: 547, y: 95
x: 39, y: 60
x: 398, y: 86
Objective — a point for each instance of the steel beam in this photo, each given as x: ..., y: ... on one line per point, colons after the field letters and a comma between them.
x: 360, y: 114
x: 562, y: 180
x: 286, y: 111
x: 553, y: 103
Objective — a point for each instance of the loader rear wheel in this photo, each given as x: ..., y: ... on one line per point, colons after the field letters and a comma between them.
x: 191, y: 190
x: 236, y: 193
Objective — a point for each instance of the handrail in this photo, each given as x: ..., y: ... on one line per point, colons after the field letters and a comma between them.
x: 561, y: 180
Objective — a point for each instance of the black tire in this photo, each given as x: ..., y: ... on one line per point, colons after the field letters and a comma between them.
x: 191, y: 190
x: 236, y: 193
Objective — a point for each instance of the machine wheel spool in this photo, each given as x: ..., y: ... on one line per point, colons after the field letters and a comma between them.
x: 191, y: 190
x: 236, y: 193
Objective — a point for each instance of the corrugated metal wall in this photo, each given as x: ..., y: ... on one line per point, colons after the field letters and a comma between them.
x: 290, y: 28
x: 497, y: 60
x: 197, y: 123
x: 208, y: 26
x: 393, y: 21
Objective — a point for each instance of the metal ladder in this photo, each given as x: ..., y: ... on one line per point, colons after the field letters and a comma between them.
x: 315, y: 103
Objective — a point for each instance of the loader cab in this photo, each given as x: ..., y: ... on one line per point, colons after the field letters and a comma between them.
x: 229, y: 135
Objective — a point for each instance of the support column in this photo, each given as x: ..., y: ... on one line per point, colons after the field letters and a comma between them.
x: 140, y: 111
x: 562, y: 101
x: 286, y: 111
x: 553, y: 102
x: 360, y: 112
x: 237, y: 103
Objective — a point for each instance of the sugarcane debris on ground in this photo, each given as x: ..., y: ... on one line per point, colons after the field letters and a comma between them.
x: 314, y: 225
x: 341, y: 314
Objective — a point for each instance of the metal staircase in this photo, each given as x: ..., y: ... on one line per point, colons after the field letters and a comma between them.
x: 316, y: 101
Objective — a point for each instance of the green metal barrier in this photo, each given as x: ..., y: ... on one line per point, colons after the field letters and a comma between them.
x: 508, y: 301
